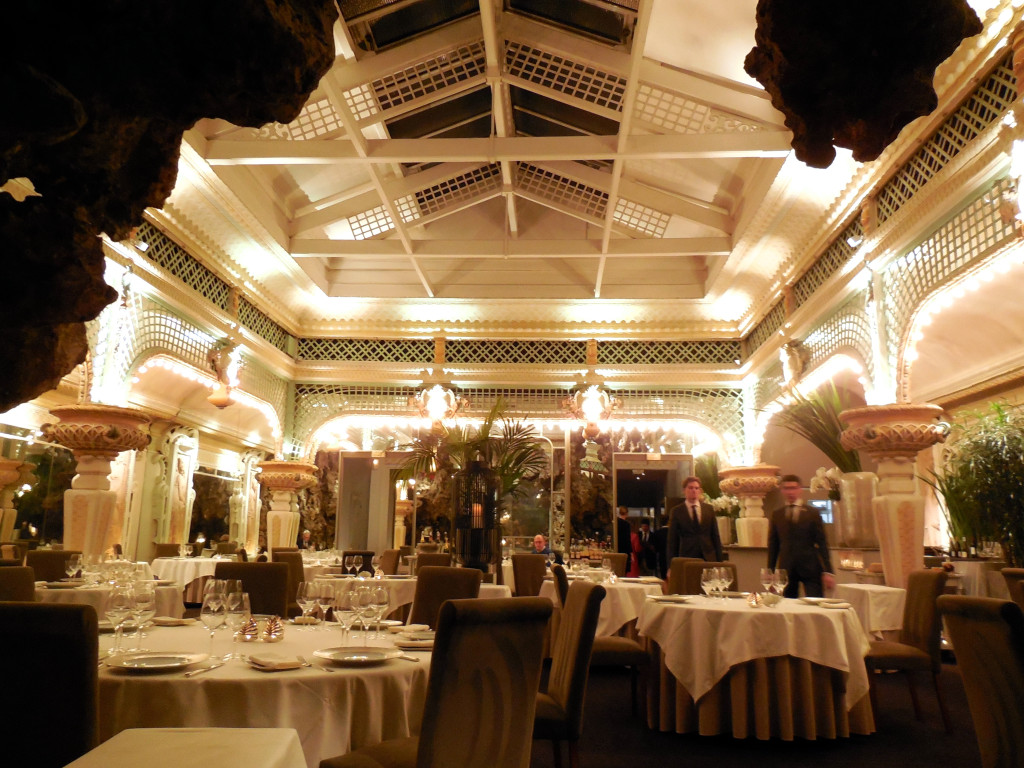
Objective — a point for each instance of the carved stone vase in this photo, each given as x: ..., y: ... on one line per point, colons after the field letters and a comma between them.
x: 284, y: 479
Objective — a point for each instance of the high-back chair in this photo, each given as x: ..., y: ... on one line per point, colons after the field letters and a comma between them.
x: 481, y: 693
x: 675, y: 584
x: 266, y: 583
x: 559, y: 715
x: 694, y: 569
x: 11, y: 550
x: 528, y: 574
x: 18, y: 583
x: 54, y: 648
x: 366, y: 564
x: 988, y: 639
x: 918, y: 649
x: 165, y: 549
x: 432, y: 559
x: 561, y: 582
x: 389, y: 562
x: 436, y: 584
x: 293, y: 559
x: 227, y: 547
x: 619, y: 562
x: 50, y: 564
x: 1014, y: 578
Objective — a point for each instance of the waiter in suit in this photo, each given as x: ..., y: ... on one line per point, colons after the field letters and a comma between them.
x: 692, y: 528
x: 624, y: 537
x: 796, y: 542
x: 644, y: 550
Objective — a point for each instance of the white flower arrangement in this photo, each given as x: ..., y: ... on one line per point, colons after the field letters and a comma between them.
x: 828, y: 481
x: 724, y: 505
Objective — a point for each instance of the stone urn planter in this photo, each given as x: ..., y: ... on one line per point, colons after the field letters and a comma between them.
x: 750, y: 485
x: 284, y: 479
x: 95, y: 434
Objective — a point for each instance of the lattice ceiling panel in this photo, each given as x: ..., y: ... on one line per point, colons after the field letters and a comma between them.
x: 561, y: 74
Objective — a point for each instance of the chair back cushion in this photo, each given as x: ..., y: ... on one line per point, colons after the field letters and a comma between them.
x: 528, y: 573
x: 484, y: 675
x: 561, y: 582
x: 988, y: 639
x: 52, y: 651
x: 694, y: 569
x: 18, y: 583
x: 619, y: 562
x: 389, y: 562
x: 675, y: 585
x: 437, y: 584
x: 163, y: 549
x: 50, y: 564
x: 266, y: 583
x: 227, y: 547
x: 293, y: 559
x: 570, y: 658
x: 921, y: 623
x: 1014, y: 578
x: 427, y: 559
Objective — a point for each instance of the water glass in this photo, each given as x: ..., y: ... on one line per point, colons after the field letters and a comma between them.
x: 781, y: 580
x: 767, y: 579
x: 212, y: 614
x: 119, y: 606
x: 324, y: 596
x: 707, y: 581
x: 345, y: 610
x: 381, y: 600
x: 237, y: 612
x: 306, y: 597
x: 143, y: 610
x: 73, y: 566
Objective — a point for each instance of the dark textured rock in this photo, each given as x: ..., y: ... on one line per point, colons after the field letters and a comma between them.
x: 96, y: 97
x: 853, y: 73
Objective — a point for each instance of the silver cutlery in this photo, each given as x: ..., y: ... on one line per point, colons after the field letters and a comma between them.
x: 303, y: 662
x: 200, y: 671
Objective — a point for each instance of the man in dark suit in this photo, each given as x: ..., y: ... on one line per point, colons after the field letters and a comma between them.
x: 692, y: 528
x: 644, y: 550
x: 796, y: 542
x: 624, y: 537
x: 661, y: 545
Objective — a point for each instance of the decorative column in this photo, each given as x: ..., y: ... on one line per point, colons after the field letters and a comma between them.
x: 751, y: 485
x: 284, y: 479
x: 95, y: 434
x: 893, y: 435
x: 13, y: 474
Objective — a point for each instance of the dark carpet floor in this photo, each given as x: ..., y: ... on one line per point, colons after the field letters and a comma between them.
x: 612, y: 738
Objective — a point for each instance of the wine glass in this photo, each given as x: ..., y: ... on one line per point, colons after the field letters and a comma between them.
x: 707, y: 581
x: 236, y: 613
x: 323, y: 593
x: 119, y: 607
x: 73, y: 566
x: 724, y: 580
x: 306, y: 598
x: 767, y: 579
x: 345, y: 610
x: 381, y: 599
x: 781, y: 580
x: 212, y: 614
x: 143, y: 609
x: 364, y: 606
x: 375, y: 561
x: 348, y: 563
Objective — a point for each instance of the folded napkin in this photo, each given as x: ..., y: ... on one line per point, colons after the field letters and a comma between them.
x: 408, y: 628
x: 170, y: 621
x: 836, y: 605
x: 305, y: 620
x: 267, y: 662
x: 413, y: 645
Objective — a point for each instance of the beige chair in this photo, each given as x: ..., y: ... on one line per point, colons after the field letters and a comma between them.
x: 164, y: 549
x: 918, y: 649
x: 12, y: 550
x: 227, y: 547
x: 988, y: 639
x: 619, y: 562
x: 266, y: 583
x: 433, y: 559
x: 389, y: 562
x: 692, y: 572
x: 1014, y: 578
x: 48, y: 564
x: 481, y: 693
x: 18, y: 583
x: 51, y: 651
x: 436, y: 584
x: 559, y: 715
x: 293, y: 559
x: 561, y: 582
x: 675, y: 583
x: 528, y: 574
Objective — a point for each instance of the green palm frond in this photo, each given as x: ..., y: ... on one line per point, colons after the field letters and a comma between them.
x: 815, y: 417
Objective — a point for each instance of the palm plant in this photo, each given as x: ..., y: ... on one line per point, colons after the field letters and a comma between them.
x: 815, y: 417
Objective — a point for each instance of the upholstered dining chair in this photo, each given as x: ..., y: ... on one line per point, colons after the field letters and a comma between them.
x: 227, y: 547
x: 918, y: 649
x: 366, y: 564
x: 619, y: 562
x: 561, y: 582
x: 481, y: 694
x: 63, y: 641
x: 8, y: 563
x: 675, y: 583
x: 528, y: 574
x: 693, y: 570
x: 293, y: 559
x: 436, y: 584
x: 11, y: 550
x: 1014, y: 578
x: 389, y: 562
x: 988, y: 640
x: 559, y: 715
x: 165, y: 549
x: 266, y: 583
x: 50, y: 564
x: 443, y: 559
x: 18, y: 583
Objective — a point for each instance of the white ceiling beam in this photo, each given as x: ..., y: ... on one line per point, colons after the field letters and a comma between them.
x: 496, y: 149
x: 334, y: 212
x: 515, y: 249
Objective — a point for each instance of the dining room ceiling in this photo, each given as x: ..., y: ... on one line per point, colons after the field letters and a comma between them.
x: 515, y: 166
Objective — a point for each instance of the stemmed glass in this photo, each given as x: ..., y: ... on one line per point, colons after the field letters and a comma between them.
x: 143, y: 609
x: 767, y: 579
x: 707, y: 581
x: 119, y: 607
x: 73, y: 566
x: 781, y: 580
x: 212, y: 614
x: 375, y: 561
x: 348, y: 564
x: 381, y: 599
x: 306, y: 598
x: 324, y: 596
x: 236, y: 613
x: 345, y: 609
x: 364, y: 606
x: 724, y: 581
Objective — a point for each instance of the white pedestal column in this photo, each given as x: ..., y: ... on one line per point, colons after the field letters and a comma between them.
x: 750, y: 485
x: 13, y: 473
x: 284, y: 479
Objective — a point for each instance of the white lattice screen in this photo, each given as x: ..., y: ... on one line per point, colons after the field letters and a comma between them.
x: 846, y: 329
x: 564, y: 75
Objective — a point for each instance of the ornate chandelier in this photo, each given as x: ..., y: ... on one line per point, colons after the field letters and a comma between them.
x: 437, y: 402
x: 591, y: 405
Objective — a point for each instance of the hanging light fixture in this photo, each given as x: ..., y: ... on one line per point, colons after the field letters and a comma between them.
x: 437, y: 402
x: 591, y: 404
x: 224, y: 363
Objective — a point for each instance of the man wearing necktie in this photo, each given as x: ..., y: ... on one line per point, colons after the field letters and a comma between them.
x: 692, y: 528
x: 796, y: 542
x: 644, y: 550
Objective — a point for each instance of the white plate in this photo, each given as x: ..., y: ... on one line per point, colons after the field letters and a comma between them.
x: 734, y: 595
x: 819, y: 600
x: 171, y: 621
x: 424, y: 635
x: 155, y: 661
x: 64, y: 584
x: 390, y: 623
x: 365, y: 656
x: 413, y: 645
x: 670, y: 598
x: 400, y: 576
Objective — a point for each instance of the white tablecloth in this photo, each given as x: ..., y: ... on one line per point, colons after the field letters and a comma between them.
x: 703, y: 638
x: 622, y: 603
x: 333, y: 713
x: 879, y: 608
x: 981, y: 578
x: 190, y: 572
x: 197, y: 748
x: 168, y: 599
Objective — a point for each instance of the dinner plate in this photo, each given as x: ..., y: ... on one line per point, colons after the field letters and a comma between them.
x: 390, y: 623
x: 820, y: 600
x: 413, y: 645
x: 734, y: 595
x: 670, y: 598
x: 155, y: 661
x: 304, y: 620
x: 64, y: 584
x: 357, y: 656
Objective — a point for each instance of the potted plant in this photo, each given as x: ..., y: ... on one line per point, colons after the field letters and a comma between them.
x: 727, y: 508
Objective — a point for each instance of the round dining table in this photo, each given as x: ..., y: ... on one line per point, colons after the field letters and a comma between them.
x: 168, y: 598
x: 333, y: 708
x: 795, y: 670
x: 190, y: 572
x: 623, y: 601
x: 402, y: 589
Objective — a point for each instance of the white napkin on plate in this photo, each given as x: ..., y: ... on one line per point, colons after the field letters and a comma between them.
x: 835, y: 605
x: 170, y: 621
x: 412, y: 645
x: 269, y: 662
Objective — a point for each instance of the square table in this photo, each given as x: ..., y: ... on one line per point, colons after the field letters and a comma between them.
x: 880, y: 608
x: 197, y: 748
